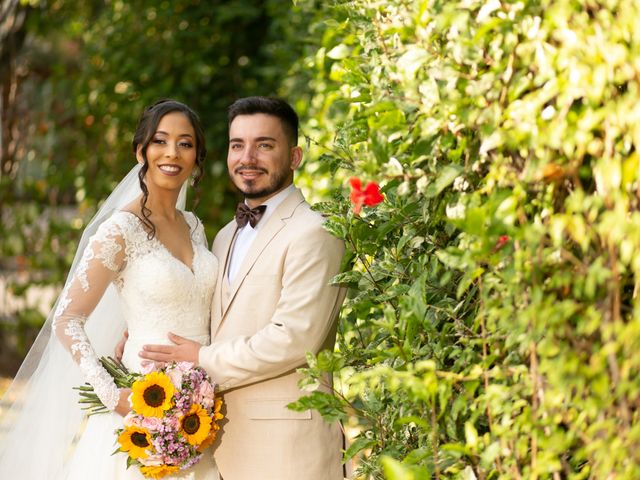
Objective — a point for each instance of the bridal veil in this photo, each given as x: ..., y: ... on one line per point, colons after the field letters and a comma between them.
x: 41, y: 416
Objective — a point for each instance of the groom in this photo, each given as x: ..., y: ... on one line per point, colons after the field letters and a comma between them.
x: 272, y: 304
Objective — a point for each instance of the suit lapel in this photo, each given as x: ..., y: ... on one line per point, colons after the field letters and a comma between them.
x: 274, y: 224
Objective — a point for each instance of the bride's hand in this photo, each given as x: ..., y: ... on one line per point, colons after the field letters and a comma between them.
x: 119, y: 350
x: 123, y: 406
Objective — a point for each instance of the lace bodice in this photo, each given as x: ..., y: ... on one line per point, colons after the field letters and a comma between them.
x: 158, y: 294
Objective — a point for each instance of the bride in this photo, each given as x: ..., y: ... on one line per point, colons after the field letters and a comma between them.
x: 142, y: 263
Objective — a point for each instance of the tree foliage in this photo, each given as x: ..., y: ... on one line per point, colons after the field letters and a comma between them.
x: 75, y: 76
x: 492, y: 326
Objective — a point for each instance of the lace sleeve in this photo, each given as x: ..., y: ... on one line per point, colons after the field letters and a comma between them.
x: 103, y: 258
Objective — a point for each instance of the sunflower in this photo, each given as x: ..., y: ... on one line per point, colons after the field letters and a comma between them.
x: 217, y: 406
x: 158, y: 471
x: 135, y: 440
x: 214, y: 426
x: 196, y: 424
x: 152, y: 395
x: 207, y: 441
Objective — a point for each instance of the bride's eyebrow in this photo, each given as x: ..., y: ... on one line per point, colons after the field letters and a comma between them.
x: 179, y: 136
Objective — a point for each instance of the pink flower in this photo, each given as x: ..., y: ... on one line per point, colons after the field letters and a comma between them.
x: 184, y: 367
x: 132, y: 420
x: 176, y: 377
x: 152, y: 460
x: 369, y: 196
x: 205, y: 395
x: 172, y: 422
x: 206, y: 389
x: 147, y: 367
x: 152, y: 423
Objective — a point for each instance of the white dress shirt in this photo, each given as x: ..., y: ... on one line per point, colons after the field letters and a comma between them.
x: 245, y: 235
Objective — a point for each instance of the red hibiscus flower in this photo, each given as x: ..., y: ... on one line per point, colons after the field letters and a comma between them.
x: 369, y: 196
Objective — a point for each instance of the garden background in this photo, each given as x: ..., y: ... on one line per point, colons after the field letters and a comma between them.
x: 492, y: 326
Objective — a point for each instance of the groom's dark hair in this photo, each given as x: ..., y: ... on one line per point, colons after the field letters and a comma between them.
x: 269, y: 106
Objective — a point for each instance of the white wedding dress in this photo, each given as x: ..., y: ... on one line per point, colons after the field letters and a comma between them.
x: 158, y: 294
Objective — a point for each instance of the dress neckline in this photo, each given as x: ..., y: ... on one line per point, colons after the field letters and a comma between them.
x: 164, y: 247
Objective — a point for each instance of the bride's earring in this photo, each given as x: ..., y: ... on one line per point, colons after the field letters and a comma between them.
x: 194, y: 175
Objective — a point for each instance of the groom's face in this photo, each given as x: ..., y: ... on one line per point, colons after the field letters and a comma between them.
x: 261, y: 158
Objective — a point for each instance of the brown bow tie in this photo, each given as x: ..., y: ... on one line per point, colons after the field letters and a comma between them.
x: 245, y: 215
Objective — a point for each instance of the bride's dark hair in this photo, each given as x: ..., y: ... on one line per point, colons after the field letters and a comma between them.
x: 146, y: 129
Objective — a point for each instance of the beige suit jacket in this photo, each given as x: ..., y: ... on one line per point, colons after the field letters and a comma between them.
x: 279, y: 306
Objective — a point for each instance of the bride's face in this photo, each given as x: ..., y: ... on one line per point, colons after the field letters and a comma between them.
x: 171, y: 153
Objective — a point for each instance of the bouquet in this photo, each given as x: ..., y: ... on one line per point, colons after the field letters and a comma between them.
x: 173, y: 418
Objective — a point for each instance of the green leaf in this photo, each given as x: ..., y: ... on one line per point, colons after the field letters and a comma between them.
x: 359, y: 444
x: 394, y: 470
x: 412, y: 60
x: 336, y: 227
x: 452, y: 258
x: 350, y: 277
x: 445, y: 178
x: 471, y: 435
x: 339, y: 52
x: 466, y: 281
x: 329, y: 361
x: 329, y: 406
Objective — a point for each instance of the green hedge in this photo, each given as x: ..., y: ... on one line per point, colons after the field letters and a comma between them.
x: 492, y: 328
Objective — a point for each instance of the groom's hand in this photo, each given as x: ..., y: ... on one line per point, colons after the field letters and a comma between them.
x: 183, y: 350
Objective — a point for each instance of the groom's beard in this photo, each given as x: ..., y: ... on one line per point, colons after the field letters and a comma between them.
x: 277, y: 182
